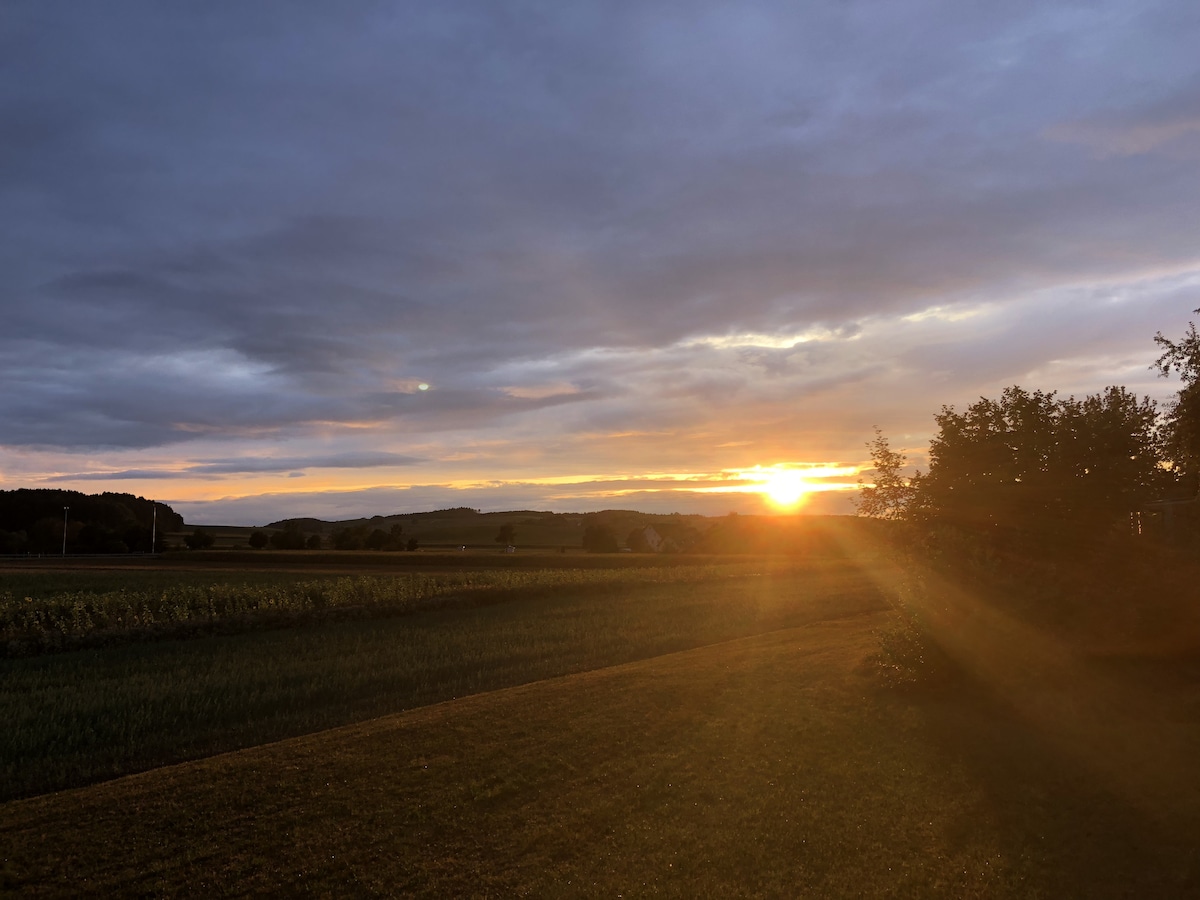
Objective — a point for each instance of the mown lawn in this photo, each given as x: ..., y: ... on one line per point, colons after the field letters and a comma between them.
x: 772, y: 765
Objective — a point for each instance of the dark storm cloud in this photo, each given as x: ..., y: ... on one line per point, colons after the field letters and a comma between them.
x: 248, y: 221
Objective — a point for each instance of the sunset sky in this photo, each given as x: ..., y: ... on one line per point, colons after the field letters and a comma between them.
x: 264, y: 259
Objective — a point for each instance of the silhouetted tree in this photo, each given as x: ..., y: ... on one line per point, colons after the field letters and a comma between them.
x: 313, y: 542
x: 1182, y: 424
x: 95, y: 538
x: 891, y: 492
x: 599, y: 539
x: 199, y: 539
x: 136, y: 538
x: 13, y: 542
x: 1036, y: 469
x: 46, y: 535
x: 113, y: 522
x: 350, y: 538
x: 290, y: 538
x: 636, y: 541
x: 507, y: 535
x: 396, y: 537
x: 258, y: 539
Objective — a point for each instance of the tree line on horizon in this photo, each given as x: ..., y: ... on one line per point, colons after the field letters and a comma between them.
x: 600, y: 532
x: 1032, y: 471
x: 47, y: 521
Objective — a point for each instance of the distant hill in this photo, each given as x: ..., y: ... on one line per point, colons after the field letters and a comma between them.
x: 32, y: 521
x: 527, y: 528
x: 532, y: 529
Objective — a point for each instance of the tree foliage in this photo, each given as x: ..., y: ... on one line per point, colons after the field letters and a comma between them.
x: 637, y: 541
x: 363, y: 537
x: 290, y: 538
x: 349, y: 538
x: 31, y: 521
x: 1181, y: 431
x: 199, y: 539
x: 1029, y: 466
x: 376, y: 540
x: 600, y: 539
x: 1044, y: 465
x: 891, y: 492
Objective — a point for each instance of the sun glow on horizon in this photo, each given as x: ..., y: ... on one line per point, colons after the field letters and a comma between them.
x: 785, y: 486
x: 786, y: 489
x: 781, y: 487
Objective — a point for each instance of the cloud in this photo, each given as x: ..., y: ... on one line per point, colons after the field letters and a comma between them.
x: 1170, y: 126
x: 235, y: 237
x: 251, y: 465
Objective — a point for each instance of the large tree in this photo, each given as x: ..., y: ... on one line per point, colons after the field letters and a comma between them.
x: 32, y: 521
x: 1182, y: 425
x: 1043, y: 466
x: 1029, y: 467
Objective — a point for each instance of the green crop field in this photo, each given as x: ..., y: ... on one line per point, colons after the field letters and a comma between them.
x: 39, y: 620
x: 720, y: 733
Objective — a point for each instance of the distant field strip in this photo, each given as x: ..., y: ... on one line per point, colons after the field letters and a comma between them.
x: 74, y: 619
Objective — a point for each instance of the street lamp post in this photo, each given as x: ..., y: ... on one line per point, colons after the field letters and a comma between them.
x: 66, y: 511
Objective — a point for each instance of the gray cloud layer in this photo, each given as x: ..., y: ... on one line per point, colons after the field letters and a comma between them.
x: 246, y: 465
x: 256, y: 222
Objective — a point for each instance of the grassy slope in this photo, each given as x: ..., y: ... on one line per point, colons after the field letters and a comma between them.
x: 764, y: 766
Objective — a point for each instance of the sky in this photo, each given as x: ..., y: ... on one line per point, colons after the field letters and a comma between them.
x: 262, y: 260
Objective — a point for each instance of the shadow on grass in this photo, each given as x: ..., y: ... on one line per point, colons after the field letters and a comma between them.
x: 1071, y: 834
x: 1086, y: 774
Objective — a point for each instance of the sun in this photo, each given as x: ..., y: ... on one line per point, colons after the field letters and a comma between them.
x: 785, y: 488
x: 786, y: 485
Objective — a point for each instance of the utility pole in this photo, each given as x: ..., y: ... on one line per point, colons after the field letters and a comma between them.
x: 66, y: 511
x: 153, y: 528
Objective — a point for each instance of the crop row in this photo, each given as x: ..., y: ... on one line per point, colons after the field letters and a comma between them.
x: 67, y: 620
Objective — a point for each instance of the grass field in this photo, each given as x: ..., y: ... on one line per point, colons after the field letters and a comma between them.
x: 765, y: 766
x: 82, y: 716
x: 725, y: 739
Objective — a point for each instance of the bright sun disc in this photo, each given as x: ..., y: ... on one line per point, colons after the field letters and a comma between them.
x: 785, y: 489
